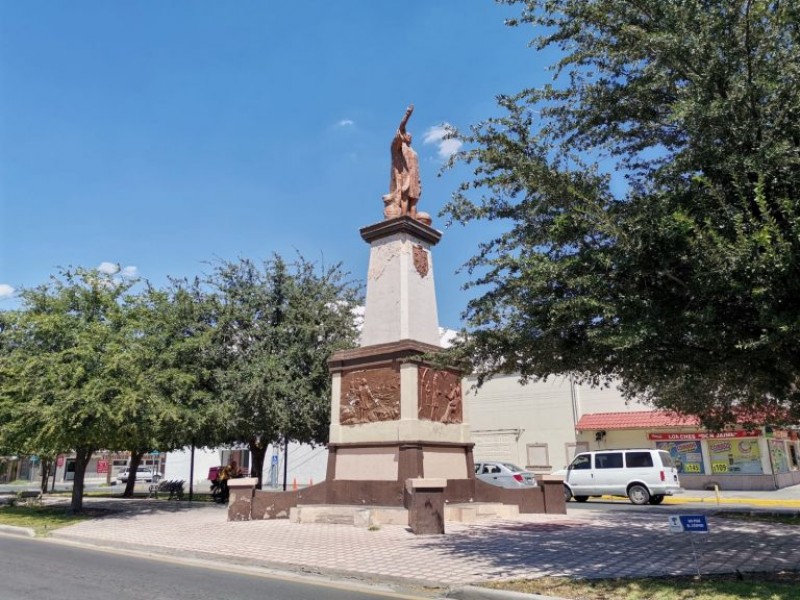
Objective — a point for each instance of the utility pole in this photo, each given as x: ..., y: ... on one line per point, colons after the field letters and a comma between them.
x: 285, y: 461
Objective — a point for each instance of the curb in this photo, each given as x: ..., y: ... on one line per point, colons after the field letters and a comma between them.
x: 721, y: 501
x: 362, y: 582
x: 473, y: 592
x: 14, y: 530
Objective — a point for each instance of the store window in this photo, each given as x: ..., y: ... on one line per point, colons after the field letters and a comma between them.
x: 737, y: 456
x: 686, y: 454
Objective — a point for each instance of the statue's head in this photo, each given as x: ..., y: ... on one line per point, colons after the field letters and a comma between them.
x: 407, y: 138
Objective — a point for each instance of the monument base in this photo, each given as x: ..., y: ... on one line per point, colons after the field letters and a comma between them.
x: 469, y: 496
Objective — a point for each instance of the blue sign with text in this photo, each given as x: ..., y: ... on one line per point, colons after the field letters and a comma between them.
x: 688, y: 524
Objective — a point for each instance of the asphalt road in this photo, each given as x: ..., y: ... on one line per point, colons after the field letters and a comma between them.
x: 41, y: 570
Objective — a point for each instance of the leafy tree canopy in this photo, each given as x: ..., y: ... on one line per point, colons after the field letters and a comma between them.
x: 59, y: 378
x: 651, y: 193
x: 276, y: 325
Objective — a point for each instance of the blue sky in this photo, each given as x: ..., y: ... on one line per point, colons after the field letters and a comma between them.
x: 160, y: 135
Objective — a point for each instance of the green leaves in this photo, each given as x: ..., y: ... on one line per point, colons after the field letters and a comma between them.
x: 680, y: 280
x: 276, y: 325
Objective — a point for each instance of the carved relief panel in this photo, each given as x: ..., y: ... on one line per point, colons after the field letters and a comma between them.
x: 370, y: 395
x: 440, y: 397
x: 420, y: 256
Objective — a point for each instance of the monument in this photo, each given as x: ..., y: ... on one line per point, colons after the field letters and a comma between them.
x: 394, y: 416
x: 398, y: 432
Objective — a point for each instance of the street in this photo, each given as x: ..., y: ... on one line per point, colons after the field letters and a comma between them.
x: 40, y: 570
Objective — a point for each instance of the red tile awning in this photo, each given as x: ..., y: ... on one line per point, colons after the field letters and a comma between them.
x: 648, y: 419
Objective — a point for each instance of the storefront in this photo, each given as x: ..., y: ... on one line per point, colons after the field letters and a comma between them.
x: 738, y: 459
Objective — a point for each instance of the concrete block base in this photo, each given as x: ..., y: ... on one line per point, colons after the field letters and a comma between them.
x: 358, y: 516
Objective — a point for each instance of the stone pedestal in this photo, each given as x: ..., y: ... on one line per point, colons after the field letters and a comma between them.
x: 426, y: 506
x: 393, y: 415
x: 401, y: 298
x: 240, y: 500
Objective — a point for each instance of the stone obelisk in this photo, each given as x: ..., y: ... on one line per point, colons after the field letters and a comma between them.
x: 395, y: 417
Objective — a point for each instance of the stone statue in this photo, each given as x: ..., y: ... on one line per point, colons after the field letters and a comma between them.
x: 404, y: 185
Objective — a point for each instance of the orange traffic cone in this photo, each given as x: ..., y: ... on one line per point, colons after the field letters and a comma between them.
x: 294, y: 484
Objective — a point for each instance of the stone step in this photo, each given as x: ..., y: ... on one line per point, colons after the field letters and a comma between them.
x: 374, y: 516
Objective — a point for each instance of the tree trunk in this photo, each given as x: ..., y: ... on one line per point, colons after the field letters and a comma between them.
x: 257, y: 453
x: 46, y: 466
x: 82, y: 457
x: 133, y: 466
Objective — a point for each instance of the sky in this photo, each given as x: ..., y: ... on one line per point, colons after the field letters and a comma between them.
x: 159, y: 136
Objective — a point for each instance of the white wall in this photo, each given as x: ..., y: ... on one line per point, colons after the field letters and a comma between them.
x: 307, y: 464
x: 507, y: 417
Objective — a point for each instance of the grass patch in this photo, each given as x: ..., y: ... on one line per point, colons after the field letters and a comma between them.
x: 786, y: 519
x: 763, y: 586
x: 42, y: 519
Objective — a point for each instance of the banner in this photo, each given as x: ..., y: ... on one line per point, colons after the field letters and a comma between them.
x: 702, y: 435
x: 686, y: 455
x: 735, y: 457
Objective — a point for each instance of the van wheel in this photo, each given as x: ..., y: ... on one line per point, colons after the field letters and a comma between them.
x: 638, y: 494
x: 567, y: 494
x: 581, y: 498
x: 657, y: 499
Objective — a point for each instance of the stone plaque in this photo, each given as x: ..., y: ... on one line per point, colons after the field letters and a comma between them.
x: 420, y: 260
x: 440, y: 396
x: 370, y: 395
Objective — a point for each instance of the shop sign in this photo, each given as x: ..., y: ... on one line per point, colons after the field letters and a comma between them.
x: 102, y: 466
x: 703, y: 435
x: 60, y: 460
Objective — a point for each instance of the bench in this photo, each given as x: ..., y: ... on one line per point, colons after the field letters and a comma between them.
x: 174, y: 487
x: 28, y: 498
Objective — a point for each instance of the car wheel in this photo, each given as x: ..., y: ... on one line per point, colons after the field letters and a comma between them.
x: 657, y: 499
x: 638, y: 494
x: 567, y: 494
x: 581, y: 498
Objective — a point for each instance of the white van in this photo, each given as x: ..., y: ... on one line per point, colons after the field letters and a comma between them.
x: 642, y: 474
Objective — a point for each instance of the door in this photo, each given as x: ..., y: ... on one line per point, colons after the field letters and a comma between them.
x: 609, y: 473
x: 579, y: 475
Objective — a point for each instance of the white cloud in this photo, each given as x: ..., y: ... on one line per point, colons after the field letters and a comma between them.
x: 446, y: 147
x: 108, y: 268
x: 130, y: 271
x: 6, y: 291
x: 346, y: 123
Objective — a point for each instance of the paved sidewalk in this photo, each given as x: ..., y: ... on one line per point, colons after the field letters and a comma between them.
x: 580, y: 544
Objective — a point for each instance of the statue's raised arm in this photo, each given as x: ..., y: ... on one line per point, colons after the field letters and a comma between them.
x: 406, y: 117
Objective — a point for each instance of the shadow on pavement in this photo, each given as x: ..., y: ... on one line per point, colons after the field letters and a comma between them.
x: 629, y: 545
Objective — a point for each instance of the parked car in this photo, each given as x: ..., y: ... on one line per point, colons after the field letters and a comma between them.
x: 504, y: 474
x: 644, y: 475
x: 142, y: 474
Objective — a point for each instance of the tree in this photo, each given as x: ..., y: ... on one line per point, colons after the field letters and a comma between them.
x: 170, y: 398
x: 674, y: 270
x: 59, y: 388
x: 276, y: 326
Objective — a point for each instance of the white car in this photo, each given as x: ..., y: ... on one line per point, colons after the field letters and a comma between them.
x: 142, y: 474
x: 503, y: 474
x: 644, y: 475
